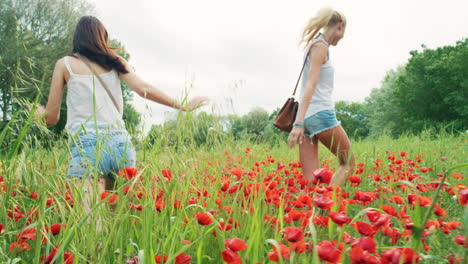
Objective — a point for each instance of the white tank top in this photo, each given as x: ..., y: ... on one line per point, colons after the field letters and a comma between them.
x: 90, y: 105
x: 321, y: 99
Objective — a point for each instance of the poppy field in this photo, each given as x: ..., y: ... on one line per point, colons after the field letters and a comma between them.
x: 406, y: 202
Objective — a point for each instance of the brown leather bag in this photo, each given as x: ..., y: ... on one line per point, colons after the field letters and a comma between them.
x: 287, y: 115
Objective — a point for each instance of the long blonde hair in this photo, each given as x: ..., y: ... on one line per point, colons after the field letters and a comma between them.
x: 325, y: 17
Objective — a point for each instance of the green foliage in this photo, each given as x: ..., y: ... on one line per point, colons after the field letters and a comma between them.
x: 430, y: 91
x: 32, y: 37
x: 187, y: 130
x: 434, y: 88
x: 207, y: 129
x: 381, y: 108
x: 354, y: 118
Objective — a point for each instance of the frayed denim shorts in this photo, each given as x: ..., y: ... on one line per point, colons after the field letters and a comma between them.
x: 101, y: 153
x: 320, y: 122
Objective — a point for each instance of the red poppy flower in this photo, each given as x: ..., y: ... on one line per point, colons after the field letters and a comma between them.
x: 138, y: 207
x: 204, y: 218
x: 299, y: 247
x: 373, y: 215
x: 167, y: 174
x: 293, y: 234
x: 1, y: 228
x: 111, y: 200
x: 364, y: 229
x: 231, y: 257
x: 305, y: 199
x: 397, y: 199
x: 439, y: 211
x: 360, y: 256
x: 224, y: 226
x: 321, y: 220
x: 284, y: 250
x: 273, y: 256
x: 235, y: 244
x: 364, y: 196
x: 461, y: 240
x: 323, y: 202
x: 463, y: 196
x: 322, y: 175
x: 328, y: 252
x: 366, y: 243
x: 383, y: 220
x: 339, y: 218
x: 355, y: 180
x: 67, y: 257
x: 183, y: 259
x: 423, y: 201
x: 19, y: 246
x: 34, y: 195
x: 16, y: 214
x: 400, y: 255
x: 159, y: 205
x: 238, y: 172
x: 455, y: 259
x: 128, y: 173
x: 424, y: 169
x: 29, y: 233
x: 389, y: 210
x: 55, y: 228
x: 161, y: 259
x: 295, y: 215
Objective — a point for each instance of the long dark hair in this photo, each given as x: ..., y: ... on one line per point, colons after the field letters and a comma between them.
x: 90, y: 40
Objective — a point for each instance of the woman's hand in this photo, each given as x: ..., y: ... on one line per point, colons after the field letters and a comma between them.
x: 296, y: 135
x: 39, y: 112
x: 196, y: 102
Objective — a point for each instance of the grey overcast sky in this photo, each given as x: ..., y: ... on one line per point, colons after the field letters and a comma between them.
x: 245, y: 53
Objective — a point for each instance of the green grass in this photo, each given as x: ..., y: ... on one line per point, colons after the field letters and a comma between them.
x: 128, y: 232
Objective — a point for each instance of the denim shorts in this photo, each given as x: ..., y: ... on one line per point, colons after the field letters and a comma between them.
x: 320, y: 122
x: 102, y: 153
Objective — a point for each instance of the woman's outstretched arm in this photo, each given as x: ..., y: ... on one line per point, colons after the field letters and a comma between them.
x: 148, y: 91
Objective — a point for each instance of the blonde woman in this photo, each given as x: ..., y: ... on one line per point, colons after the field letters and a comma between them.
x: 316, y: 118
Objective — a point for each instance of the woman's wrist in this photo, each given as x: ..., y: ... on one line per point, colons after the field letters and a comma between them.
x: 298, y: 123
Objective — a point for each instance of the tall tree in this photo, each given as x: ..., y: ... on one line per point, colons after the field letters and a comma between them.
x: 433, y: 90
x: 430, y: 91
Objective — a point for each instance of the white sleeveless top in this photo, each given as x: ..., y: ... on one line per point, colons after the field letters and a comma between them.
x: 89, y: 104
x: 321, y: 99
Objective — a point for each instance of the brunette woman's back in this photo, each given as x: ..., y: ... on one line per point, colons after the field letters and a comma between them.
x: 88, y: 103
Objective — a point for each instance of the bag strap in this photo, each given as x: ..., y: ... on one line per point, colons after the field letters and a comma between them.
x: 305, y: 60
x: 103, y: 84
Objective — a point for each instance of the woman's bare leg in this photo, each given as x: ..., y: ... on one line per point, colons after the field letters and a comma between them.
x: 88, y: 192
x: 308, y: 155
x: 337, y: 142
